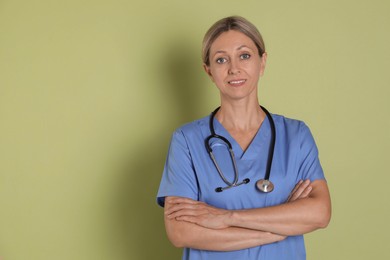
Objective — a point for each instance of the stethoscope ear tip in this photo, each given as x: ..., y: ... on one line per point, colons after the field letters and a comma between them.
x: 219, y: 189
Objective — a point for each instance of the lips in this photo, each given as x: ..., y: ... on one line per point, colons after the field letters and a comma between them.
x: 237, y: 82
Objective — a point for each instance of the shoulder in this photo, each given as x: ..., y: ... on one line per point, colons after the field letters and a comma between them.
x: 190, y: 134
x: 293, y: 131
x: 194, y: 128
x: 288, y: 125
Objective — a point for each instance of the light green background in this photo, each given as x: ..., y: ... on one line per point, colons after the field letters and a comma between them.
x: 90, y: 92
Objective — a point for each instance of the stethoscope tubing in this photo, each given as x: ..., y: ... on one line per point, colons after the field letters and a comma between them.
x: 226, y: 141
x: 272, y: 144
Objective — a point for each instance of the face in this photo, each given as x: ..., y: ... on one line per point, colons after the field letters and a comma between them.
x: 235, y: 65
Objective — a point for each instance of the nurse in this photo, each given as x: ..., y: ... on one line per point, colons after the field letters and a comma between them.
x: 241, y: 222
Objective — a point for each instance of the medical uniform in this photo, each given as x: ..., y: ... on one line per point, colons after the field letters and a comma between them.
x: 189, y: 172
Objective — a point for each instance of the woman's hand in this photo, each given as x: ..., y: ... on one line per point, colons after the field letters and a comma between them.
x: 300, y: 191
x: 200, y: 213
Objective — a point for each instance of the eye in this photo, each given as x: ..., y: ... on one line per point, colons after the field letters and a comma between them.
x: 221, y: 60
x: 245, y: 56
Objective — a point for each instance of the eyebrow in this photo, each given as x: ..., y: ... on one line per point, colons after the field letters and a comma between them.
x: 242, y: 46
x: 239, y: 48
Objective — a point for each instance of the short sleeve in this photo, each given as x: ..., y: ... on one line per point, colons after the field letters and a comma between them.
x: 309, y: 163
x: 178, y: 178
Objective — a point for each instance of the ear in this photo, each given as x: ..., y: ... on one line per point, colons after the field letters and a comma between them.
x: 208, y: 71
x: 263, y: 63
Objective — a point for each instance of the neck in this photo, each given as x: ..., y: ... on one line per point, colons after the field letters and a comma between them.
x: 244, y: 116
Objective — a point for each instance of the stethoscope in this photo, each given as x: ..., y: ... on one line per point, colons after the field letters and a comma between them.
x: 264, y: 185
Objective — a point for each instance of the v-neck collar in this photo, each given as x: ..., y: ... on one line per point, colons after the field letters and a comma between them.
x: 257, y: 145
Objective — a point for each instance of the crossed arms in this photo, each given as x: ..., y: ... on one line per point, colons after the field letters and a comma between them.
x: 197, y: 225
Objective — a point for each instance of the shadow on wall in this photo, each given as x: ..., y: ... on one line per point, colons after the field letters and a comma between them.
x: 140, y: 220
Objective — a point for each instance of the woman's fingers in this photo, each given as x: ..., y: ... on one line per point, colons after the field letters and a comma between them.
x: 295, y: 188
x: 179, y: 207
x: 175, y: 200
x: 196, y: 212
x: 184, y: 209
x: 306, y: 192
x: 300, y: 191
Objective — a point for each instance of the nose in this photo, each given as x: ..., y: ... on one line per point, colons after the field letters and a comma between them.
x: 233, y: 67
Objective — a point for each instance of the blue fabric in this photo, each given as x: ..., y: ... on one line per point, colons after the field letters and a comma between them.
x: 189, y: 172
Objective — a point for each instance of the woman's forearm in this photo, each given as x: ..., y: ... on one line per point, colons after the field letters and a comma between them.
x: 185, y: 234
x: 294, y: 218
x: 301, y: 214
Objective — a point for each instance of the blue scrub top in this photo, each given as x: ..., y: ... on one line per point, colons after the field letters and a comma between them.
x: 189, y: 172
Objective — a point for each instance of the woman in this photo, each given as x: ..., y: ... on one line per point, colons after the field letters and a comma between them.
x: 213, y: 205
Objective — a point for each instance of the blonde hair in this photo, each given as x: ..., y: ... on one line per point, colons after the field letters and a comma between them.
x: 236, y: 23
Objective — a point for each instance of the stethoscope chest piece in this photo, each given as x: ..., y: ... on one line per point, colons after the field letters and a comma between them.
x: 265, y: 185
